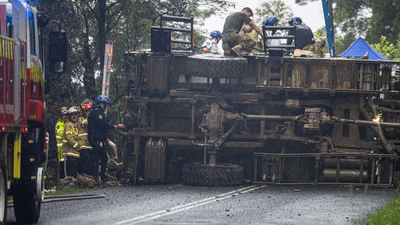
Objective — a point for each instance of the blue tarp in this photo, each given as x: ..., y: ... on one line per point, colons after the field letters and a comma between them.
x: 360, y: 47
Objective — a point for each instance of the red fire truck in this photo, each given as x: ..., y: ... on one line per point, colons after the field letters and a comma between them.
x: 23, y: 136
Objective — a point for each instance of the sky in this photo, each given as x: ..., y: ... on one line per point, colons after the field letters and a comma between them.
x: 312, y: 14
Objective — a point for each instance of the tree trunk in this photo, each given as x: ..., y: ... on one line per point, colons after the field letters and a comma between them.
x: 102, y: 35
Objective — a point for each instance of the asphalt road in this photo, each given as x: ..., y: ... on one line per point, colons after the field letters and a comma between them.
x: 250, y: 204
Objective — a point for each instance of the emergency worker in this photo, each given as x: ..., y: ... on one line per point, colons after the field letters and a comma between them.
x: 88, y: 101
x: 232, y: 40
x: 273, y: 21
x: 317, y: 47
x: 255, y: 36
x: 84, y: 158
x: 211, y: 45
x: 97, y: 134
x: 304, y: 34
x: 71, y: 145
x: 62, y: 119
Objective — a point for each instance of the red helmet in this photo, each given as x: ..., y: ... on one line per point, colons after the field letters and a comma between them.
x: 85, y: 106
x: 64, y: 111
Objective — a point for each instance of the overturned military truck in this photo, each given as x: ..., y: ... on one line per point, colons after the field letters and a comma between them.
x: 213, y: 120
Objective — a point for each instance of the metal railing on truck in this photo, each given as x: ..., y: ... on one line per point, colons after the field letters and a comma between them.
x: 161, y: 37
x: 277, y: 50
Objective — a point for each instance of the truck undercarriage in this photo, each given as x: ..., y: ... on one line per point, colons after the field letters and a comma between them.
x: 278, y: 120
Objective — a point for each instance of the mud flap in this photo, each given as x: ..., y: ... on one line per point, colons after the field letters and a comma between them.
x: 154, y: 171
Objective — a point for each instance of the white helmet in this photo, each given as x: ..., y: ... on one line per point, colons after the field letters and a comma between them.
x: 73, y: 109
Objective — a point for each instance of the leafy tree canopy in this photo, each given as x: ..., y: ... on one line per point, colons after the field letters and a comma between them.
x: 275, y: 8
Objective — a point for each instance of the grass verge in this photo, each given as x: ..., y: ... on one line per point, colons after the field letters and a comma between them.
x: 66, y: 191
x: 389, y: 215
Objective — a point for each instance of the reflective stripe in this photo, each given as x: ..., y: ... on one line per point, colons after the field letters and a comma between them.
x: 72, y: 154
x: 84, y: 134
x: 61, y: 160
x: 69, y: 132
x: 59, y: 130
x: 59, y: 145
x: 59, y: 137
x: 76, y: 144
x: 65, y: 141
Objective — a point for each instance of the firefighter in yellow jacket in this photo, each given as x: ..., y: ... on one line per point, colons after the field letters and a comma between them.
x: 84, y: 159
x: 71, y: 143
x: 62, y: 119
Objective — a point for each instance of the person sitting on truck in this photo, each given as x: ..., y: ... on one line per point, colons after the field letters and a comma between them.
x: 71, y: 143
x: 317, y: 47
x: 246, y: 29
x: 232, y: 40
x: 304, y: 34
x: 97, y: 134
x: 62, y: 119
x: 84, y: 163
x: 211, y: 45
x: 273, y: 21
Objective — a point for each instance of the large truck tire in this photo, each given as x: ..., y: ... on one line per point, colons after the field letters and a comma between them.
x: 28, y: 199
x: 27, y: 204
x: 216, y: 66
x: 224, y: 174
x: 3, y: 190
x: 29, y: 192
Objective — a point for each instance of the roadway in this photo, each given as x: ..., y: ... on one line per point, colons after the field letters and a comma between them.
x: 247, y: 204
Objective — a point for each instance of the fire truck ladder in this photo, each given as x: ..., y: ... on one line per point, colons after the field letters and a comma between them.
x: 107, y: 68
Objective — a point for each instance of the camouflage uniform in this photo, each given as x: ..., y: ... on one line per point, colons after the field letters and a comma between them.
x: 254, y: 35
x: 243, y: 42
x: 315, y: 49
x: 231, y: 37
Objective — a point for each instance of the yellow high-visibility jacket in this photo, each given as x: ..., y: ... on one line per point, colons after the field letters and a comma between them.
x: 83, y: 133
x: 59, y: 137
x: 70, y: 141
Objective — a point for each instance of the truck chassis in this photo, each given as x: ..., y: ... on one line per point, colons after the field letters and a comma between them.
x: 283, y: 120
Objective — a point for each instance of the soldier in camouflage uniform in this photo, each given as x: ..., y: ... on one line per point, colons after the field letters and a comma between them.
x: 232, y: 40
x: 62, y: 119
x: 317, y: 47
x: 255, y: 36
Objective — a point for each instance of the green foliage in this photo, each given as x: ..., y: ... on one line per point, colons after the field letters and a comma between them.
x: 368, y: 18
x: 388, y: 49
x: 350, y: 17
x: 387, y: 216
x: 275, y: 8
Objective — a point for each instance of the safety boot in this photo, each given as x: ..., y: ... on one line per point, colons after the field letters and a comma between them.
x: 227, y: 49
x: 237, y: 49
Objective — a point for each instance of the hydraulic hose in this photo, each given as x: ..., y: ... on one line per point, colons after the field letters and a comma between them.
x: 376, y: 129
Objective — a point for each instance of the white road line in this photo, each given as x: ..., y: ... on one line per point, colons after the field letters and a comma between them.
x: 155, y: 215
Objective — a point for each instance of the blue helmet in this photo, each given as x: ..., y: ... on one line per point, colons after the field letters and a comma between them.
x: 270, y: 20
x: 297, y: 19
x: 215, y: 33
x: 102, y: 99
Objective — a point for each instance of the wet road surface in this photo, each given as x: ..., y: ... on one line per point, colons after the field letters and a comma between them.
x: 250, y: 204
